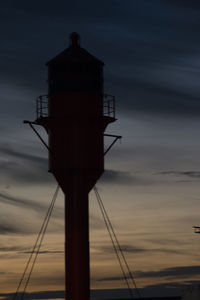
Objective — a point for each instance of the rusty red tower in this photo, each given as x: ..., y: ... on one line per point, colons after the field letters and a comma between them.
x: 75, y: 114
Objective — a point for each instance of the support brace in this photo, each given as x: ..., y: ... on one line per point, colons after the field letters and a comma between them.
x: 41, y: 139
x: 117, y: 137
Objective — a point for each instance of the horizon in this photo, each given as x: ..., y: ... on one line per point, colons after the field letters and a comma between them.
x: 102, y: 294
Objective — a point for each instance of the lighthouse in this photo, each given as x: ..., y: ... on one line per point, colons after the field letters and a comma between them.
x: 75, y: 114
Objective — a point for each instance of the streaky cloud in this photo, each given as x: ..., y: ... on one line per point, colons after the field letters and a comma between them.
x: 23, y: 168
x: 25, y: 203
x: 189, y: 174
x: 137, y: 250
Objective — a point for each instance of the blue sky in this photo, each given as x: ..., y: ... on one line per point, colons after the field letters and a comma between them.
x: 151, y: 187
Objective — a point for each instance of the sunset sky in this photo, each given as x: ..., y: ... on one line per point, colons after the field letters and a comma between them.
x: 151, y: 51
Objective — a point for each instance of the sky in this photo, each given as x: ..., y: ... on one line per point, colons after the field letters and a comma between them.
x: 151, y: 184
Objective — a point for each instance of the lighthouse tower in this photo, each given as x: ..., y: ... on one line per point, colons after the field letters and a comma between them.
x: 75, y: 120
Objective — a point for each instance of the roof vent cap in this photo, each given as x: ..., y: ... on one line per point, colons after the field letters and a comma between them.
x: 74, y: 39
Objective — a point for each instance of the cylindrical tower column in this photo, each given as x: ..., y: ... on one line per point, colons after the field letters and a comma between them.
x: 77, y: 277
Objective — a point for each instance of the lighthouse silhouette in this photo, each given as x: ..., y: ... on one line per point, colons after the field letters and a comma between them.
x: 75, y: 114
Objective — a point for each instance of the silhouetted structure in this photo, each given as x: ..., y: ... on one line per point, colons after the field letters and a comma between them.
x: 196, y: 229
x: 161, y: 298
x: 73, y: 115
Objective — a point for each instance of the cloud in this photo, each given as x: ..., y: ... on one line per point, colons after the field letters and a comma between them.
x: 125, y: 248
x: 139, y: 250
x: 183, y: 272
x: 118, y: 177
x: 162, y: 100
x: 11, y: 248
x: 9, y: 227
x: 189, y: 174
x: 172, y: 273
x: 25, y: 203
x: 8, y: 252
x: 151, y: 45
x: 124, y: 177
x: 96, y: 222
x: 23, y: 168
x: 160, y: 71
x: 175, y: 272
x: 42, y: 252
x: 14, y: 225
x: 41, y: 161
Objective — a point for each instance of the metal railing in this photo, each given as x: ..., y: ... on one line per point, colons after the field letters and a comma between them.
x: 109, y: 106
x: 42, y: 106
